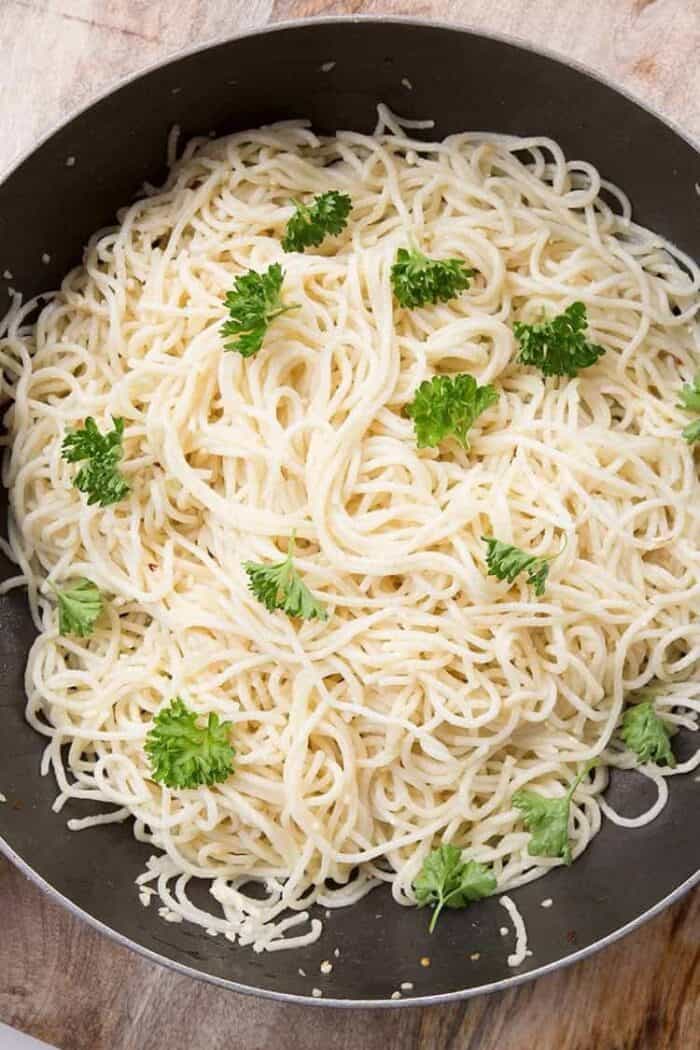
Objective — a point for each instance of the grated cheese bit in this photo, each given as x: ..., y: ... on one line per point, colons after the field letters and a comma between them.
x: 168, y: 915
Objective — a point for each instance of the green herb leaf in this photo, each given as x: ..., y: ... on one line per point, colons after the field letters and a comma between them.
x: 691, y: 433
x: 690, y: 395
x: 253, y: 303
x: 558, y: 346
x: 78, y: 608
x: 446, y: 881
x: 327, y: 215
x: 184, y: 754
x: 447, y: 406
x: 647, y: 735
x: 506, y: 562
x: 279, y: 586
x: 418, y: 280
x: 548, y: 819
x: 690, y: 401
x: 100, y: 477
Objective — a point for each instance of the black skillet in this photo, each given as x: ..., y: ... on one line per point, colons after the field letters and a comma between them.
x: 47, y: 205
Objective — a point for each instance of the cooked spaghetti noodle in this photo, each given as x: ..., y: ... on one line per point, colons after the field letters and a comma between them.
x: 433, y: 692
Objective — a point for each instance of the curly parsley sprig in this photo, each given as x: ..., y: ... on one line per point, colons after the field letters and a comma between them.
x: 690, y: 401
x: 326, y: 216
x: 100, y: 477
x: 253, y: 303
x: 184, y: 754
x: 279, y: 586
x: 558, y: 345
x: 447, y: 406
x: 506, y: 562
x: 79, y: 607
x: 447, y: 881
x: 419, y: 281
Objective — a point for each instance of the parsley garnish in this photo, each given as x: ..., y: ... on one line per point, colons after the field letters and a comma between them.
x: 186, y: 755
x: 548, y: 819
x: 78, y: 608
x: 279, y: 586
x: 506, y: 562
x: 446, y: 881
x: 326, y: 215
x: 254, y: 302
x: 447, y: 406
x: 418, y: 280
x: 690, y: 401
x: 100, y: 477
x: 558, y: 346
x: 647, y: 735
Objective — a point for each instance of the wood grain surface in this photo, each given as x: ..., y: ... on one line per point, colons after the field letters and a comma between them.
x: 68, y: 985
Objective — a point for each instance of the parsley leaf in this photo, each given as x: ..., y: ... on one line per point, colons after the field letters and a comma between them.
x: 418, y: 280
x: 506, y: 562
x: 78, y: 608
x: 690, y: 395
x: 100, y: 477
x: 447, y: 406
x: 690, y: 401
x: 253, y: 303
x: 326, y: 215
x: 548, y: 819
x: 446, y: 881
x: 558, y: 346
x: 279, y: 586
x: 184, y: 754
x: 691, y: 433
x: 647, y: 735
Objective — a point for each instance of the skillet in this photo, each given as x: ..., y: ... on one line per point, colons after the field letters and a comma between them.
x: 334, y: 71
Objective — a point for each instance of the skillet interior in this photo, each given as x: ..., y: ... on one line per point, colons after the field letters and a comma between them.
x: 463, y: 81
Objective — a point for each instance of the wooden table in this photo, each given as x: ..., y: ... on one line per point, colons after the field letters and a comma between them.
x: 61, y: 981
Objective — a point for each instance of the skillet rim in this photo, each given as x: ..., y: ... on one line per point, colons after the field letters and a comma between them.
x: 296, y: 23
x: 441, y: 998
x: 42, y: 883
